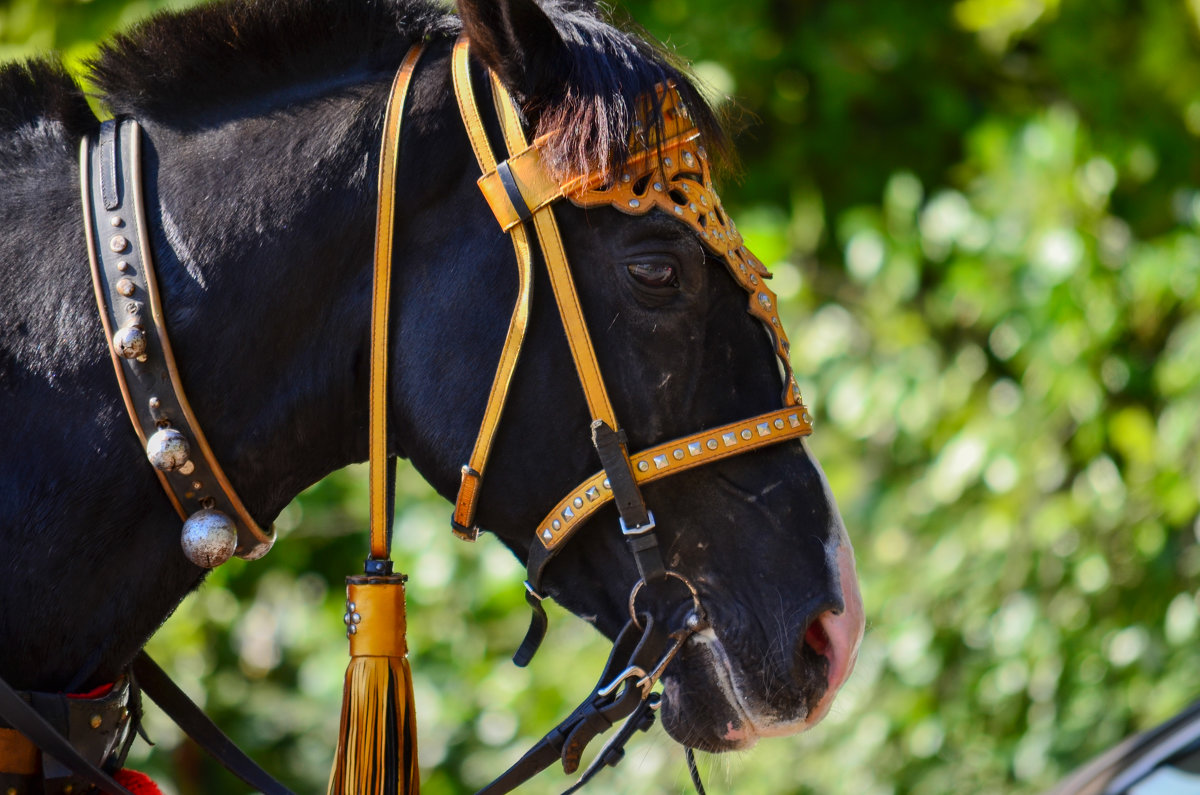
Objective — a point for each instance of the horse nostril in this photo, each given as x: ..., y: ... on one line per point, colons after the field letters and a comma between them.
x: 816, y: 638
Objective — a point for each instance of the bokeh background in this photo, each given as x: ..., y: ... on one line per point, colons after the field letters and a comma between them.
x: 983, y: 219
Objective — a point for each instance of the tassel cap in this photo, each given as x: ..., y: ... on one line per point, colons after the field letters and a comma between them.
x: 375, y: 618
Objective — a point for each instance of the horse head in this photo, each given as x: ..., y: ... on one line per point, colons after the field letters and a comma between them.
x: 758, y: 535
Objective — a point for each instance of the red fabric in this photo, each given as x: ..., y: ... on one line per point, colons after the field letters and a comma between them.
x: 136, y: 782
x: 99, y: 692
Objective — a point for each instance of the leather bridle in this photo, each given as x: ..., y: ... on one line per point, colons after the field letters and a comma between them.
x: 667, y: 170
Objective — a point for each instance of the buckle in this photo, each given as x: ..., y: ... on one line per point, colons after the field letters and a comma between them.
x: 529, y: 589
x: 641, y: 529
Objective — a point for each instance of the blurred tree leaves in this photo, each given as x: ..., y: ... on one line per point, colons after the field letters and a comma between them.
x: 983, y: 219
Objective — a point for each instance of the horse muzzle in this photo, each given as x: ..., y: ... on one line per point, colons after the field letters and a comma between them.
x: 721, y: 695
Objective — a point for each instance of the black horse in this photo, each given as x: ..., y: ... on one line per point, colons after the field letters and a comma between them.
x: 262, y: 121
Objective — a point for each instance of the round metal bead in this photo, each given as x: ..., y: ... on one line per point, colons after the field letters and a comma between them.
x: 130, y: 342
x: 258, y: 550
x: 209, y: 538
x: 95, y: 721
x: 167, y: 449
x: 126, y: 287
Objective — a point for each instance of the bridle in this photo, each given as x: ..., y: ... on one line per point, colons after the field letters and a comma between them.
x: 668, y: 170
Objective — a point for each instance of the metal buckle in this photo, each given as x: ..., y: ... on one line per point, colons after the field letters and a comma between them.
x: 632, y: 672
x: 639, y: 529
x: 696, y: 609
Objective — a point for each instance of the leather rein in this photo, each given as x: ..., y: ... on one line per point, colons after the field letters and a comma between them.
x: 671, y: 174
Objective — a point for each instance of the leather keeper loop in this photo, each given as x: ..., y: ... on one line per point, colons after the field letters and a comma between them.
x: 379, y: 605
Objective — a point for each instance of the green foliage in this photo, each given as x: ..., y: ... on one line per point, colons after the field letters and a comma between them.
x: 985, y: 227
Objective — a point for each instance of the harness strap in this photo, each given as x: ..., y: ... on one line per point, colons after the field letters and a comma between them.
x: 618, y: 694
x: 60, y: 759
x: 200, y: 728
x: 463, y: 520
x: 637, y: 523
x: 131, y: 312
x: 380, y: 299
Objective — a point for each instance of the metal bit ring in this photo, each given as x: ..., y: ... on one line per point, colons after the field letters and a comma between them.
x: 640, y: 583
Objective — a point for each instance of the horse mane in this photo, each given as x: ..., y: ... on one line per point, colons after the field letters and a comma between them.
x: 177, y: 66
x: 40, y: 104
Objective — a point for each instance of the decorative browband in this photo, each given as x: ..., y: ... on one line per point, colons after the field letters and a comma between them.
x: 216, y: 525
x: 673, y: 177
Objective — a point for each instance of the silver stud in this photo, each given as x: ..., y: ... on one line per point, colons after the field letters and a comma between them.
x: 592, y: 494
x: 557, y: 525
x: 678, y: 210
x: 123, y: 266
x: 702, y: 152
x: 692, y: 207
x: 684, y: 187
x: 130, y: 342
x: 351, y: 630
x: 167, y: 449
x: 578, y: 502
x: 694, y: 448
x: 546, y: 534
x: 753, y: 279
x: 746, y: 434
x: 658, y: 186
x: 688, y: 159
x: 778, y: 424
x: 763, y: 429
x: 643, y: 466
x: 775, y: 321
x: 793, y: 420
x: 567, y: 514
x: 678, y: 455
x: 116, y: 220
x: 209, y: 538
x: 118, y: 244
x: 352, y: 606
x: 765, y: 300
x: 660, y: 462
x: 667, y: 162
x: 807, y: 417
x: 729, y: 439
x: 634, y: 203
x: 607, y: 485
x: 625, y: 178
x: 703, y: 199
x: 126, y: 287
x: 711, y: 444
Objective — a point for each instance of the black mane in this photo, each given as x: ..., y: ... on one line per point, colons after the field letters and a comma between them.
x: 176, y: 67
x: 40, y: 105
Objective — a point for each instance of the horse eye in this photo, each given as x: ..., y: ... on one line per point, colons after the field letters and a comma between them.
x: 654, y: 274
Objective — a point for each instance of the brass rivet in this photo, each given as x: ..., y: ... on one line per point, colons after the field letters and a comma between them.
x: 116, y: 221
x: 125, y: 287
x: 155, y: 403
x: 123, y: 266
x: 95, y: 721
x: 118, y: 243
x: 197, y: 485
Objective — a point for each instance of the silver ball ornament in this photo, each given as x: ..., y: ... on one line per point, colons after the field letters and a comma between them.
x: 130, y: 342
x: 259, y: 548
x: 209, y: 538
x: 167, y: 449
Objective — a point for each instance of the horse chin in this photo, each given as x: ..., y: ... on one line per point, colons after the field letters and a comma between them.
x: 707, y: 704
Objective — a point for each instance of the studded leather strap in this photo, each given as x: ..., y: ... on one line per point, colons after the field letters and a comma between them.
x: 134, y: 324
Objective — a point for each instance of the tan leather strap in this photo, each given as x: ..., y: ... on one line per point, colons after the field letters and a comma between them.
x: 671, y: 458
x: 561, y: 281
x: 380, y: 294
x: 472, y: 474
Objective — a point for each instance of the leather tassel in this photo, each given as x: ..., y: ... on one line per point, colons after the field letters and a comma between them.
x: 377, y: 743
